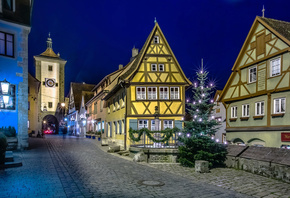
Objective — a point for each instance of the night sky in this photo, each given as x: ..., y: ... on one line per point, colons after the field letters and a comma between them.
x: 96, y: 36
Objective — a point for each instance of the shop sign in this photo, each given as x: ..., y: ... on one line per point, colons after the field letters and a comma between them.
x: 285, y: 137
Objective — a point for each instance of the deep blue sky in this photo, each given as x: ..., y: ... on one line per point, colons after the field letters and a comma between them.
x: 96, y: 36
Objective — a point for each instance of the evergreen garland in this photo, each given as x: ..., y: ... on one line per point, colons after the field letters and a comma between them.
x: 167, y: 134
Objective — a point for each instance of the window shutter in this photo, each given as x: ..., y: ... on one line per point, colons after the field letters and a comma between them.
x: 178, y: 124
x: 133, y: 124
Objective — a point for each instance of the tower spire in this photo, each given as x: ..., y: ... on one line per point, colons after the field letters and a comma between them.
x: 202, y: 64
x: 49, y: 41
x: 263, y: 12
x: 155, y: 21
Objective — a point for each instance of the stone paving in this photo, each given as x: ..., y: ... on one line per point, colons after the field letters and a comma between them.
x: 74, y: 167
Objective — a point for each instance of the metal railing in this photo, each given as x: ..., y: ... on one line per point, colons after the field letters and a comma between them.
x: 146, y: 142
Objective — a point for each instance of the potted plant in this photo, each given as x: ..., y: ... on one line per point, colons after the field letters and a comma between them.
x: 3, y: 146
x: 98, y: 134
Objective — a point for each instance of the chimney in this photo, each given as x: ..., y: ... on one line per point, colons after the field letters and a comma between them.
x: 120, y: 66
x: 134, y: 52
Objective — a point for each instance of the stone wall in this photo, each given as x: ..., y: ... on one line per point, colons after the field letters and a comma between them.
x: 266, y: 161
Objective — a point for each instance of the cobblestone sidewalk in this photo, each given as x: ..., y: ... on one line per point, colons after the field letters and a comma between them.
x: 227, y: 178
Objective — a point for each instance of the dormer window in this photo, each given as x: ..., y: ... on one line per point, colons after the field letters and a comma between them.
x: 156, y: 39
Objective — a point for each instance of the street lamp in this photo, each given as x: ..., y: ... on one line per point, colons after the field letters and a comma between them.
x: 5, y: 85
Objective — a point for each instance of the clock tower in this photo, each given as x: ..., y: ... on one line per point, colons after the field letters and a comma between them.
x: 49, y: 70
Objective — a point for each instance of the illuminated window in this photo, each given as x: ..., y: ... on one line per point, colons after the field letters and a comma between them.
x: 167, y: 124
x: 163, y: 93
x: 142, y: 124
x: 161, y: 67
x: 279, y: 105
x: 234, y: 111
x: 6, y: 44
x: 245, y: 110
x: 141, y: 93
x: 156, y: 39
x: 152, y: 93
x: 174, y: 92
x: 275, y: 67
x: 153, y: 67
x: 259, y: 108
x: 253, y: 74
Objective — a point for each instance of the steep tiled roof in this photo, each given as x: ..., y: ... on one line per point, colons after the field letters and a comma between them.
x: 78, y: 89
x: 282, y: 27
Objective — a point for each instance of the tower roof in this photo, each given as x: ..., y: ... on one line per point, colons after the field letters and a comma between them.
x: 49, y: 51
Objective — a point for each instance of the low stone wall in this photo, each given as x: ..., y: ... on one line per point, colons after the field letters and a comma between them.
x: 266, y: 161
x: 153, y: 155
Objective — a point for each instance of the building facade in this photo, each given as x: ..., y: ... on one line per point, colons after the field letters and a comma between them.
x: 50, y: 71
x: 14, y: 30
x: 257, y: 94
x: 148, y: 92
x: 33, y: 93
x: 79, y: 95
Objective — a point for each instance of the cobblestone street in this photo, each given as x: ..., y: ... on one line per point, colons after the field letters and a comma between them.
x: 73, y: 167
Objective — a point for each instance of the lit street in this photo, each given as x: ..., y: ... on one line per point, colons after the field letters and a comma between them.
x: 75, y: 167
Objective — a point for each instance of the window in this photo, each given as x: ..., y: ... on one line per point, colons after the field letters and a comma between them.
x: 49, y: 104
x: 275, y: 67
x: 168, y: 124
x: 95, y: 107
x: 259, y: 108
x: 152, y: 93
x: 161, y: 67
x: 116, y: 127
x: 90, y: 109
x: 163, y: 91
x: 279, y: 105
x: 123, y: 99
x: 153, y: 67
x: 156, y: 39
x: 253, y: 74
x: 49, y: 67
x: 6, y: 44
x: 174, y: 92
x: 141, y: 93
x: 245, y: 110
x: 153, y: 127
x: 8, y: 4
x: 142, y: 124
x: 234, y: 112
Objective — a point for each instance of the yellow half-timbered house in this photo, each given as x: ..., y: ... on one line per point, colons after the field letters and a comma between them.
x: 149, y: 88
x: 257, y: 94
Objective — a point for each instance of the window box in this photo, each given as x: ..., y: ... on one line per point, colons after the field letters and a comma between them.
x: 258, y: 117
x: 244, y: 118
x: 277, y: 115
x: 233, y: 119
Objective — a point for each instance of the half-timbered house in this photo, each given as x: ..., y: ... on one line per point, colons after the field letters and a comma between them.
x: 257, y: 94
x: 148, y: 92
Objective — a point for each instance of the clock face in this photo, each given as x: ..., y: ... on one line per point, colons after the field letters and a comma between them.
x: 50, y: 82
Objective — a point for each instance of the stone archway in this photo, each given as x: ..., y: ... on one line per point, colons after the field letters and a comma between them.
x: 50, y: 122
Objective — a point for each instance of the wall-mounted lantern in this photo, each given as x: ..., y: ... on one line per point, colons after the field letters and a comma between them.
x: 5, y: 87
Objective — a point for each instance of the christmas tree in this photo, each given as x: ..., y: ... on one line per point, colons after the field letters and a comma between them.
x: 196, y: 142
